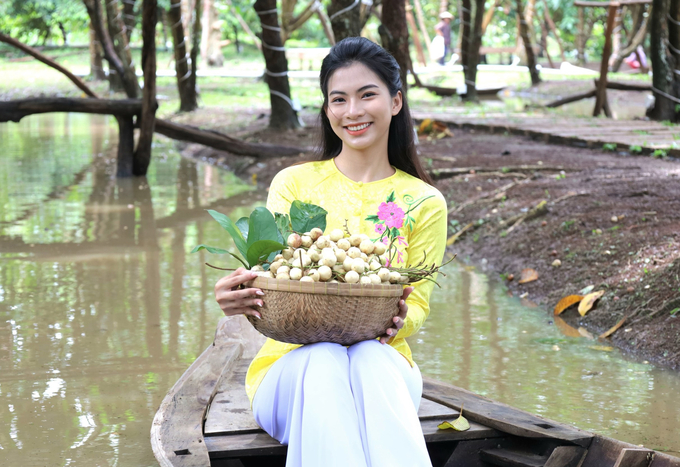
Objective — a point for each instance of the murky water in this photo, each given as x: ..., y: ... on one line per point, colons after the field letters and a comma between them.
x: 102, y: 309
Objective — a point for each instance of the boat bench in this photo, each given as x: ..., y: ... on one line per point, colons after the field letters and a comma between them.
x: 230, y: 431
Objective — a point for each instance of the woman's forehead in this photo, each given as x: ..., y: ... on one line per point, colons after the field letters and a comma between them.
x: 352, y: 78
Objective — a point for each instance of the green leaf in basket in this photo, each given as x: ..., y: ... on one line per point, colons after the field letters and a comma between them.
x: 459, y: 424
x: 231, y: 228
x: 261, y: 249
x: 242, y: 225
x: 217, y: 251
x: 283, y: 224
x: 262, y: 226
x: 304, y: 217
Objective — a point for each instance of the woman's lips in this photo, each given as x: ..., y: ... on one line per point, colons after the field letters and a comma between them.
x: 363, y: 128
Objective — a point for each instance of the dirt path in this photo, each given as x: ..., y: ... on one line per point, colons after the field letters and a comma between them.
x: 612, y: 221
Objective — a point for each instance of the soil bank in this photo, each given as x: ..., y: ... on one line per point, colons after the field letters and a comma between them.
x: 611, y: 219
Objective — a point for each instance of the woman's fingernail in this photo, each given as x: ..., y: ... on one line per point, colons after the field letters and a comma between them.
x: 402, y: 302
x: 259, y: 292
x: 258, y: 304
x: 258, y: 316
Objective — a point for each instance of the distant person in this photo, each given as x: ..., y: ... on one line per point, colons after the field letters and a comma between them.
x: 637, y: 59
x: 443, y: 29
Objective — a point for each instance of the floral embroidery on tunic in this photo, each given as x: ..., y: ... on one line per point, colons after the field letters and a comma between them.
x: 390, y: 218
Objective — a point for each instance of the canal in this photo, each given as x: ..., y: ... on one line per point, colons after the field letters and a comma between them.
x: 102, y: 308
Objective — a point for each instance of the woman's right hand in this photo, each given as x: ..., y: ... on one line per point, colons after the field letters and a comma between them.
x: 235, y: 300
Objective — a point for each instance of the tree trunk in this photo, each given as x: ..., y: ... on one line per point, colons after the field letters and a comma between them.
x: 473, y: 53
x: 142, y: 156
x: 414, y: 31
x: 528, y: 46
x: 488, y: 15
x: 129, y: 17
x: 465, y: 30
x: 283, y: 116
x: 96, y: 62
x: 581, y: 37
x: 345, y: 17
x: 662, y: 62
x: 421, y: 24
x: 206, y: 26
x: 616, y: 34
x: 394, y: 35
x: 195, y: 47
x: 116, y: 29
x: 95, y: 13
x: 326, y: 24
x: 187, y: 95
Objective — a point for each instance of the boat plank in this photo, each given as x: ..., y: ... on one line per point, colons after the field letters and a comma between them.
x: 634, y: 457
x: 181, y: 444
x: 239, y: 445
x: 500, y: 416
x: 566, y: 456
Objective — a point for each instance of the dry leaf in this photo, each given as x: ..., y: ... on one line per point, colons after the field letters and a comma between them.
x: 425, y: 126
x: 601, y: 348
x: 528, y: 275
x: 584, y: 332
x: 586, y: 290
x: 459, y: 424
x: 565, y: 329
x: 566, y: 302
x: 588, y: 302
x: 614, y: 328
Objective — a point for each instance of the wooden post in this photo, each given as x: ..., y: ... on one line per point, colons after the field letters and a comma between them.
x: 126, y: 145
x: 580, y: 37
x: 601, y: 96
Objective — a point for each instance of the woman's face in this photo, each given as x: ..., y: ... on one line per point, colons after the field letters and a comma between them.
x: 360, y: 107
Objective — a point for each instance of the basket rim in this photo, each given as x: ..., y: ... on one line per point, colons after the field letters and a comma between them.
x: 325, y: 288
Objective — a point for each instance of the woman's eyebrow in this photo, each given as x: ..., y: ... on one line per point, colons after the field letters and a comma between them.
x: 363, y: 88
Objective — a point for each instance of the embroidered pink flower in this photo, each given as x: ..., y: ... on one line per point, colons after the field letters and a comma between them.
x: 400, y: 257
x: 385, y: 240
x: 380, y: 228
x: 392, y: 214
x: 402, y: 241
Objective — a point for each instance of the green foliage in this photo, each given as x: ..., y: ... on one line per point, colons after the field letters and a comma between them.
x: 634, y: 149
x: 609, y: 147
x: 39, y: 20
x: 660, y: 154
x: 304, y: 217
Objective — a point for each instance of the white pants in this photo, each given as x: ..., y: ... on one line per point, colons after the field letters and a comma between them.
x: 344, y: 406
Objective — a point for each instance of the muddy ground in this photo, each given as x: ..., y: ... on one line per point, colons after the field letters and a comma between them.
x: 611, y: 219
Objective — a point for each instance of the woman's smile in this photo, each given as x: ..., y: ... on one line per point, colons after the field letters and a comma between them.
x: 358, y: 129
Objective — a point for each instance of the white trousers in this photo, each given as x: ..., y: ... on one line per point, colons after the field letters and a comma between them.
x: 342, y: 406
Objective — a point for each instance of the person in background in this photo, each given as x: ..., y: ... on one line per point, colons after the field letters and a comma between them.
x: 443, y: 28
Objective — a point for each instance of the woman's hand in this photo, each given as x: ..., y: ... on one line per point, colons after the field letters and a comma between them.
x: 399, y: 319
x: 235, y: 300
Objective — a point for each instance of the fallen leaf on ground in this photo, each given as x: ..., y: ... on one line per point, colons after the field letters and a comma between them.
x: 566, y: 302
x: 601, y: 348
x: 584, y: 332
x: 528, y: 275
x: 565, y: 329
x: 613, y: 328
x: 588, y: 302
x: 587, y: 290
x: 459, y: 424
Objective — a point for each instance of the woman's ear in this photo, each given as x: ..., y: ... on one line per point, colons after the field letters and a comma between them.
x: 396, y: 103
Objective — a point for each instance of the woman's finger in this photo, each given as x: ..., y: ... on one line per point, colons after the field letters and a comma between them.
x: 228, y: 295
x: 244, y: 311
x: 242, y: 303
x: 234, y: 279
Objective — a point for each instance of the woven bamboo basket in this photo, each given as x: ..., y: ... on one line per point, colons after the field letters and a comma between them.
x: 307, y: 312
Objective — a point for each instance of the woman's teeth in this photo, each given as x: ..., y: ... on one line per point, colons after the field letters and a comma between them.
x: 358, y: 127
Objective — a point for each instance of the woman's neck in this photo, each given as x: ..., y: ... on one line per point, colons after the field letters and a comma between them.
x: 362, y: 167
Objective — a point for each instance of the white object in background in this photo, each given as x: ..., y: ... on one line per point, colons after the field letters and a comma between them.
x: 437, y: 48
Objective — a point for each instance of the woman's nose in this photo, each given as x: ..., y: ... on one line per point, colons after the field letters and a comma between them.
x: 355, y: 109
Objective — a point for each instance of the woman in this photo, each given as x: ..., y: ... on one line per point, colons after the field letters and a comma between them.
x: 352, y: 406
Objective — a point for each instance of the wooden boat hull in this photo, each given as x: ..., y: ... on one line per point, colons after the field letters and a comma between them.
x: 205, y: 420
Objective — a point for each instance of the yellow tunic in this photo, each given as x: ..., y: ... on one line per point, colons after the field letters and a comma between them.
x: 417, y: 209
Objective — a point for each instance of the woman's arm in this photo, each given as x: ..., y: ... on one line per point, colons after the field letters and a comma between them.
x: 428, y: 241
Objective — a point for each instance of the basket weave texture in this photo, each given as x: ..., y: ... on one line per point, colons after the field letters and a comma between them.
x: 307, y: 312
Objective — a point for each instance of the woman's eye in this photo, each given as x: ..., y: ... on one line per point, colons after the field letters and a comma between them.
x: 337, y: 100
x: 369, y: 94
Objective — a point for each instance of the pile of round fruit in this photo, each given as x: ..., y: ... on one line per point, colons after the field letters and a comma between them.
x: 314, y: 257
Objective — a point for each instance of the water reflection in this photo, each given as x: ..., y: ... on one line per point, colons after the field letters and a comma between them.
x: 489, y: 343
x: 102, y: 309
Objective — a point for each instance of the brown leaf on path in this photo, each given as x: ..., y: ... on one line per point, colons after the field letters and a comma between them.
x: 588, y: 302
x: 601, y: 348
x: 614, y: 328
x: 565, y: 329
x: 528, y: 275
x: 566, y: 302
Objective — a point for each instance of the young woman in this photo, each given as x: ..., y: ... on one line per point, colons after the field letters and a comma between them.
x: 352, y: 406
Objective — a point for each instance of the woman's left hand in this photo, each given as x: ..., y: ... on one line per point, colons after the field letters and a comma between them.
x: 399, y: 319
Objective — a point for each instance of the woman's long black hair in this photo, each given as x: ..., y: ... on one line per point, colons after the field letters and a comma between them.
x: 401, y: 148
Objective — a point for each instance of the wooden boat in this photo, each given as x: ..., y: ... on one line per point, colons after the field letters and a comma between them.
x: 205, y: 420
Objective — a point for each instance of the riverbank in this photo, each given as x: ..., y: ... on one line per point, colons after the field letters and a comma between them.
x: 610, y: 220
